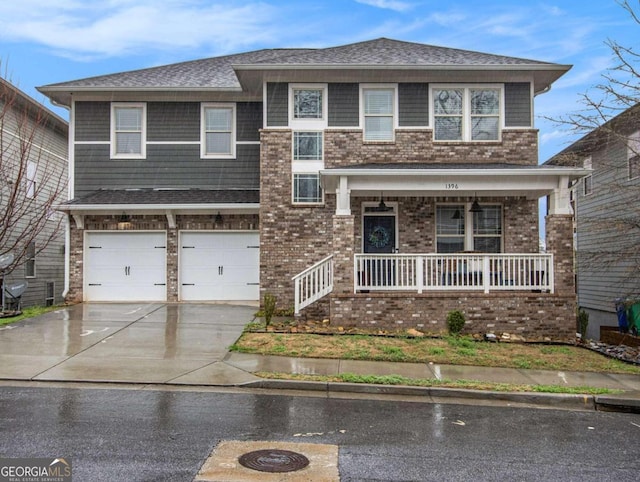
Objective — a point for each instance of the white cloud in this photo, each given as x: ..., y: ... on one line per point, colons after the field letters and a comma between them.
x: 396, y: 5
x: 120, y: 27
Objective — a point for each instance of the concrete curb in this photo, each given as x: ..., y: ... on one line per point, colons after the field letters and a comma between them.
x: 555, y: 400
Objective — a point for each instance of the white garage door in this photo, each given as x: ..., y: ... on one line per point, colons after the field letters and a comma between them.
x: 125, y: 266
x: 219, y: 266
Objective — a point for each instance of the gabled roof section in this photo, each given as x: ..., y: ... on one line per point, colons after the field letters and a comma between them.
x: 389, y: 52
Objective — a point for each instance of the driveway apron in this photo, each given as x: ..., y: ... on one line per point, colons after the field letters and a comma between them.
x: 128, y: 342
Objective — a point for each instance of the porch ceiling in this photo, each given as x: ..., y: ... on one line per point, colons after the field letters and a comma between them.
x: 432, y: 180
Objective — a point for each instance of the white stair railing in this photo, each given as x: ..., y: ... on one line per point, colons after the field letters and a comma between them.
x: 313, y: 283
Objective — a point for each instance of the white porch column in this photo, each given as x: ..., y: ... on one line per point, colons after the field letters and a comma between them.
x: 559, y: 200
x: 343, y: 197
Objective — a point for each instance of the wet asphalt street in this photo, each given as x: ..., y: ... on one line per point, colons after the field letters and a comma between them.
x: 115, y: 434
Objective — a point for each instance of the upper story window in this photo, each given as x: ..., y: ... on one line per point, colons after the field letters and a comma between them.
x: 459, y: 230
x: 30, y: 264
x: 308, y: 103
x: 218, y: 131
x: 379, y: 113
x: 633, y: 155
x: 307, y: 146
x: 128, y: 131
x: 587, y: 182
x: 306, y: 188
x: 30, y: 184
x: 466, y: 113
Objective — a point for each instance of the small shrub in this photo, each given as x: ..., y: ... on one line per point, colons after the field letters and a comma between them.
x: 583, y: 323
x: 269, y: 308
x: 455, y: 322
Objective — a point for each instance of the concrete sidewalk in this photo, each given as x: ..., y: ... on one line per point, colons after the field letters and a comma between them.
x: 187, y: 345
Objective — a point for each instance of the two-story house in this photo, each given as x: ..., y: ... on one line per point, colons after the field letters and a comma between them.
x: 382, y: 183
x: 607, y: 205
x: 33, y: 179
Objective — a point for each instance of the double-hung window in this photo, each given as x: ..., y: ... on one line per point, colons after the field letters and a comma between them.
x: 466, y: 113
x: 459, y: 230
x: 218, y: 131
x: 378, y: 112
x: 128, y: 131
x: 307, y: 161
x: 30, y: 264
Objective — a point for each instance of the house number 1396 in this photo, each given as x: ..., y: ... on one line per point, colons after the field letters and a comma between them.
x: 452, y: 185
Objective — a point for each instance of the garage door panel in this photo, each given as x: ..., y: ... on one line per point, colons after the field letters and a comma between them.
x: 125, y: 267
x: 219, y: 266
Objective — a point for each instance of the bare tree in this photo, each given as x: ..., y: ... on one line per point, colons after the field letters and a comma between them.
x: 32, y: 178
x: 609, y: 226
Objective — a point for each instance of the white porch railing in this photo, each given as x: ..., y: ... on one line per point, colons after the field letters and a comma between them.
x: 452, y: 272
x: 313, y: 283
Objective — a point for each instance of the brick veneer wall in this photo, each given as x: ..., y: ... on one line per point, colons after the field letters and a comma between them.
x: 147, y: 223
x: 345, y: 147
x: 559, y: 228
x: 533, y: 316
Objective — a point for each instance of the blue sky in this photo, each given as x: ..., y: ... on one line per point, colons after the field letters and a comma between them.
x: 44, y: 41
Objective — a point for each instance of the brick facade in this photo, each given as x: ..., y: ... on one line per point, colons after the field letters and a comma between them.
x: 233, y: 222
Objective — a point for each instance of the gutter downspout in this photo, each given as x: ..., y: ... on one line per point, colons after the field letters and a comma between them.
x: 67, y: 224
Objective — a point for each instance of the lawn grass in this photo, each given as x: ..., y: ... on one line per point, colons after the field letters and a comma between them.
x: 28, y: 313
x: 439, y: 383
x: 445, y: 350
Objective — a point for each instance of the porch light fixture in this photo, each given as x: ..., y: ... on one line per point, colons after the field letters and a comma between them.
x: 475, y: 207
x: 124, y: 221
x: 382, y: 207
x: 218, y: 218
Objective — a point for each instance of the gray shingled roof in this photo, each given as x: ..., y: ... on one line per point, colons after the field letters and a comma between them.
x: 218, y: 72
x: 384, y: 51
x: 166, y: 196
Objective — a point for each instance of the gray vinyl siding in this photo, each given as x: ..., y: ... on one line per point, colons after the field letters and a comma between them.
x: 277, y: 104
x: 344, y: 105
x: 517, y: 109
x: 605, y: 274
x: 166, y: 165
x: 248, y: 121
x: 173, y: 121
x: 92, y: 121
x: 413, y: 105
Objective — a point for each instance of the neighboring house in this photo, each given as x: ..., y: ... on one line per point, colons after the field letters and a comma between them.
x: 382, y: 183
x: 607, y: 206
x: 33, y: 171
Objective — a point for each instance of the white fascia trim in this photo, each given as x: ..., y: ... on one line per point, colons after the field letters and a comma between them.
x: 508, y: 67
x: 571, y: 172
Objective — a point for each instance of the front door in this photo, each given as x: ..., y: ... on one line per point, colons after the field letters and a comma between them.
x: 379, y: 235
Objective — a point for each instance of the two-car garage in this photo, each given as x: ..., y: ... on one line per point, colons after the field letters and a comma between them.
x: 132, y: 265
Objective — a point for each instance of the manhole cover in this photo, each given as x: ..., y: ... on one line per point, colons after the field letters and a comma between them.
x: 274, y: 460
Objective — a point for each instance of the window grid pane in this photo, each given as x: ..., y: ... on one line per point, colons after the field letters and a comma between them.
x: 218, y: 130
x: 128, y: 130
x: 128, y: 143
x: 378, y: 114
x: 307, y: 104
x: 128, y: 118
x: 378, y: 102
x: 378, y: 128
x: 306, y: 188
x: 307, y: 146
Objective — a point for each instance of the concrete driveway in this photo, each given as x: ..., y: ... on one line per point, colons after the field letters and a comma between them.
x: 129, y: 342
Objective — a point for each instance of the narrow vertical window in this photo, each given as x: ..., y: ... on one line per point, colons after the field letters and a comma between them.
x: 450, y: 228
x: 485, y: 114
x: 447, y: 111
x: 128, y: 131
x: 218, y: 131
x: 378, y: 114
x: 30, y: 185
x: 30, y: 264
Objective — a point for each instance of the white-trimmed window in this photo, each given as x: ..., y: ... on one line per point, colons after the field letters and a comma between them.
x: 128, y: 130
x: 459, y: 230
x: 30, y: 181
x: 30, y: 264
x: 633, y: 155
x: 308, y: 103
x: 587, y: 182
x: 306, y: 188
x: 218, y: 131
x: 307, y: 145
x: 466, y: 113
x: 378, y: 110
